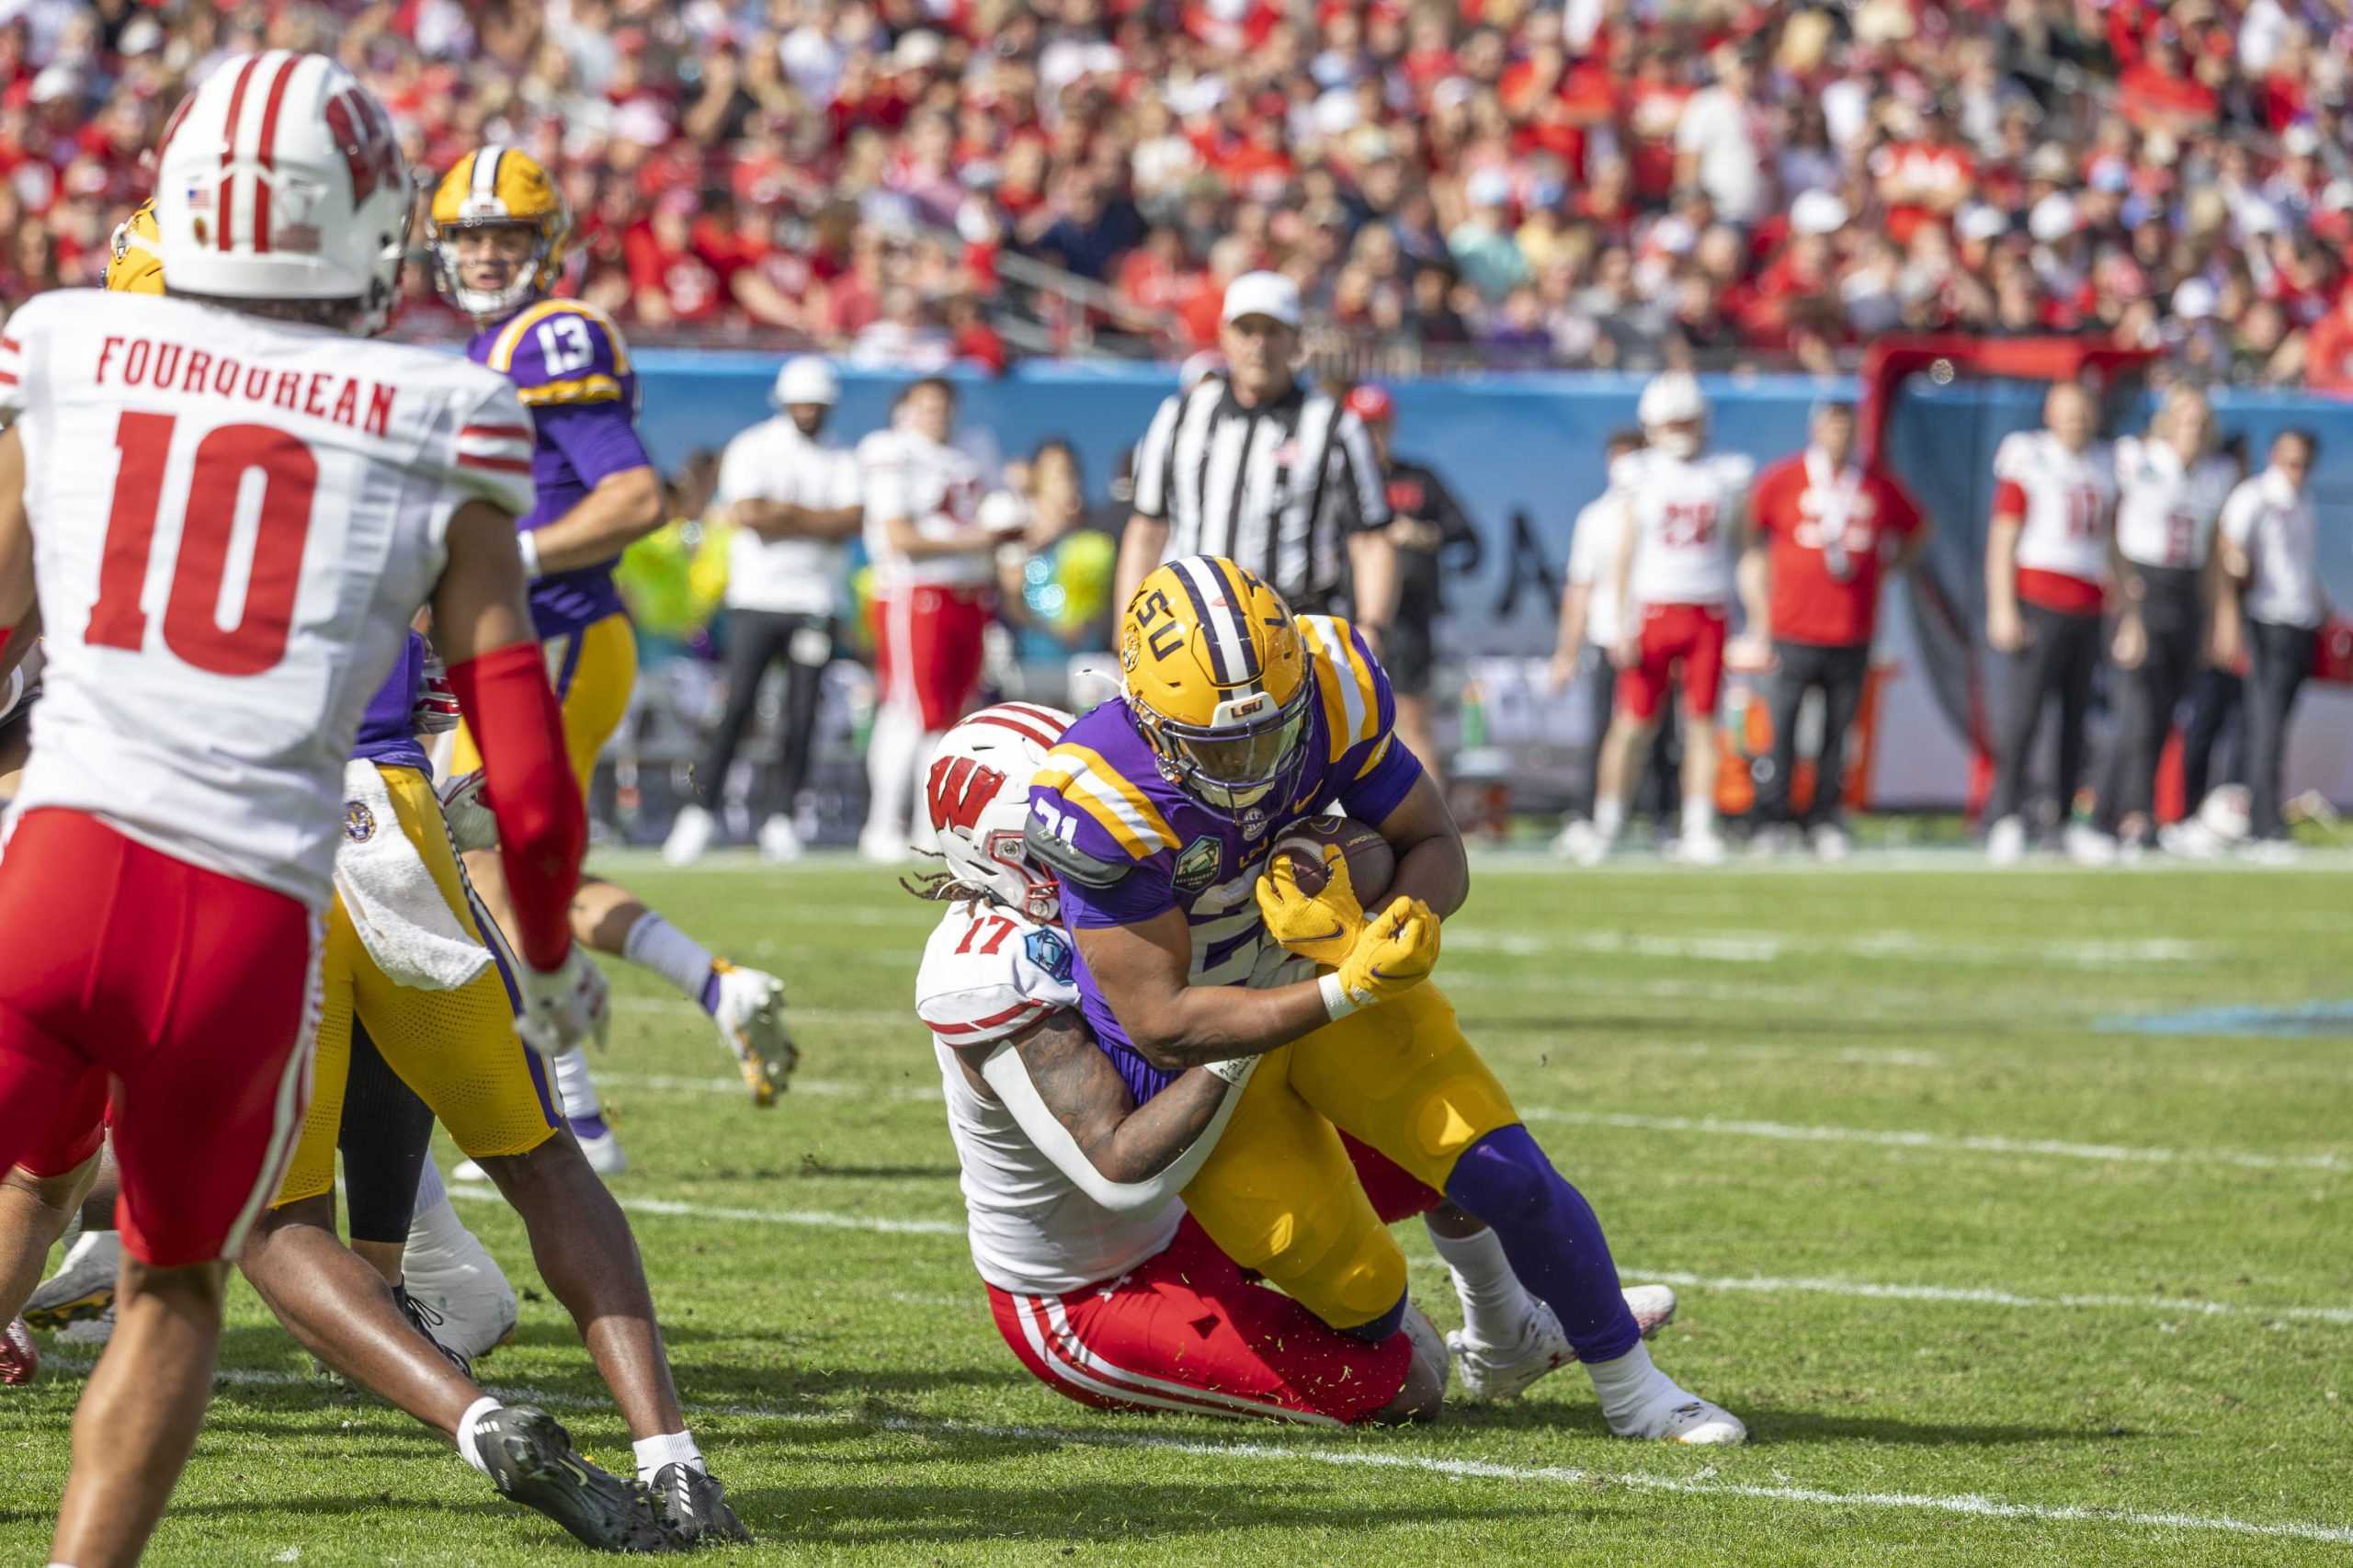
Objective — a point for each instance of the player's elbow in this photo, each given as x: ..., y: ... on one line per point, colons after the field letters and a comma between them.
x: 636, y: 497
x: 1163, y: 1042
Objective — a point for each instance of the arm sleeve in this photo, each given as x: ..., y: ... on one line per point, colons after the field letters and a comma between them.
x: 1153, y: 458
x: 542, y: 825
x: 1359, y: 472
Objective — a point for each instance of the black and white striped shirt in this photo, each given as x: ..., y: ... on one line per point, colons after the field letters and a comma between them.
x: 1278, y: 488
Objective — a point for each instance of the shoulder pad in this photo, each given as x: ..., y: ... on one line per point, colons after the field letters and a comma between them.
x: 1072, y: 862
x: 561, y: 351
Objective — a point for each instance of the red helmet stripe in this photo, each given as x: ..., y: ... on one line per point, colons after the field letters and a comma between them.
x: 1045, y: 716
x: 271, y: 103
x: 1004, y: 720
x: 228, y: 209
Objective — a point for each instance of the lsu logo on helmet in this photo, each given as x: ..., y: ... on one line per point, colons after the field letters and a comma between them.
x: 498, y: 187
x: 1213, y: 671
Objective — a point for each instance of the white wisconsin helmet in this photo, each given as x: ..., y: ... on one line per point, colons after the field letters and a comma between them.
x: 978, y: 793
x: 280, y: 178
x: 1672, y: 398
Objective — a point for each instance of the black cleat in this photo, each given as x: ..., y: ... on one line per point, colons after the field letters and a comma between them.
x: 424, y: 1320
x: 695, y: 1504
x: 531, y: 1459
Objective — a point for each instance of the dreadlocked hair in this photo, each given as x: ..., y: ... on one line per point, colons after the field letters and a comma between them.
x: 939, y: 884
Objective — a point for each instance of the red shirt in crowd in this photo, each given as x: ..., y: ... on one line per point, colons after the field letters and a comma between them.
x: 2328, y: 352
x: 1826, y: 531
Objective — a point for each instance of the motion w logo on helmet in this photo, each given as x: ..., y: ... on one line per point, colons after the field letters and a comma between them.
x: 958, y: 789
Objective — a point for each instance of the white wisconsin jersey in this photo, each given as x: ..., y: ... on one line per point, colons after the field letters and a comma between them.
x: 2069, y: 500
x: 774, y: 462
x: 988, y: 975
x: 1686, y: 512
x: 1594, y: 547
x: 2165, y: 510
x: 233, y: 521
x: 2275, y: 523
x: 910, y: 475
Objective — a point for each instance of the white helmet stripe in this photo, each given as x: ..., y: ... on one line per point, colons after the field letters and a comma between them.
x: 485, y: 171
x: 1221, y: 617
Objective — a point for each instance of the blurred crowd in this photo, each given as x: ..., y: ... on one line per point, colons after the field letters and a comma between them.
x: 1599, y: 182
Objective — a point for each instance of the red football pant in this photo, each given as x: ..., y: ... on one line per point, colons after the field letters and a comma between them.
x: 195, y: 992
x: 1190, y: 1330
x: 927, y: 650
x: 1688, y: 635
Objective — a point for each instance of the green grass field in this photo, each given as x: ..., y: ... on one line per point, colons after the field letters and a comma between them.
x: 1990, y: 1281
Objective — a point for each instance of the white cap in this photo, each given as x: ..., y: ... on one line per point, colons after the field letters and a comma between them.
x: 806, y: 379
x: 2194, y: 299
x: 1817, y: 213
x: 1983, y: 221
x: 2053, y: 220
x: 1268, y: 294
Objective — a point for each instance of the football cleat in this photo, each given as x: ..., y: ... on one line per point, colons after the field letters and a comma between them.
x: 694, y: 1504
x: 93, y: 1333
x: 750, y: 1017
x: 1499, y: 1372
x: 531, y: 1461
x: 431, y: 1324
x: 83, y: 1286
x: 2087, y: 845
x: 448, y: 1272
x: 779, y: 840
x: 1653, y: 1306
x: 597, y: 1140
x: 2005, y: 842
x: 19, y: 1361
x: 1772, y: 841
x: 691, y: 836
x: 1683, y: 1418
x: 1830, y: 844
x: 1700, y: 847
x: 884, y: 849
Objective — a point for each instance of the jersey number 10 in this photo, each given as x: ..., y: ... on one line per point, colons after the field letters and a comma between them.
x: 289, y: 477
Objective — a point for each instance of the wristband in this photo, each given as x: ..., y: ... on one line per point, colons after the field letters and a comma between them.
x: 1337, y: 1003
x: 1234, y: 1070
x: 528, y: 549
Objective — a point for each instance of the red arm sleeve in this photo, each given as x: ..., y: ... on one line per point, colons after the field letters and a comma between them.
x: 2009, y: 499
x: 543, y: 826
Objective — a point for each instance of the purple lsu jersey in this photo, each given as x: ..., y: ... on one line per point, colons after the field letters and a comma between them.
x: 571, y: 369
x: 387, y: 727
x: 1144, y: 847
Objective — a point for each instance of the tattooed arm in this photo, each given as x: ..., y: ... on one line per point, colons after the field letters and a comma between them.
x: 1076, y: 1108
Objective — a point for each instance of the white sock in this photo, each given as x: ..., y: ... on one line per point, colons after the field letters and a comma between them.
x: 1494, y: 1304
x: 1608, y: 817
x: 1628, y: 1386
x: 653, y: 943
x: 892, y: 753
x: 920, y: 835
x: 436, y: 1229
x: 430, y: 1193
x: 1699, y: 814
x: 468, y: 1437
x: 671, y: 1447
x: 574, y: 1090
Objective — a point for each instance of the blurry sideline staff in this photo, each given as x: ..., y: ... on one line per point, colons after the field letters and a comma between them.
x: 1268, y: 469
x: 2170, y: 487
x: 1590, y: 623
x: 1426, y: 522
x: 935, y: 576
x: 2046, y: 555
x: 2271, y: 549
x: 792, y: 492
x: 1825, y: 529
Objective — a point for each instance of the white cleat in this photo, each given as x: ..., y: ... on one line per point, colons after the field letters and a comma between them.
x: 83, y: 1286
x: 2271, y: 852
x: 2005, y: 842
x: 884, y: 849
x: 469, y: 1170
x: 1583, y: 844
x: 1685, y: 1417
x: 1502, y: 1372
x: 1772, y: 842
x: 780, y: 841
x: 1701, y: 847
x: 91, y: 1333
x: 1653, y: 1306
x: 601, y: 1144
x: 691, y: 836
x: 448, y: 1270
x: 750, y: 1018
x: 2087, y: 845
x: 1830, y: 844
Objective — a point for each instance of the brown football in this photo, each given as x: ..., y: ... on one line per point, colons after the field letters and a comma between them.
x: 1371, y: 863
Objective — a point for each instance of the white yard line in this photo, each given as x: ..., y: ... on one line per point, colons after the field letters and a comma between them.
x: 1967, y: 1505
x: 1893, y: 1138
x: 1770, y: 947
x: 1988, y: 1296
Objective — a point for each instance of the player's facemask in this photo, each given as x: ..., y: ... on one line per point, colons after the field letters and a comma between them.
x: 1232, y: 767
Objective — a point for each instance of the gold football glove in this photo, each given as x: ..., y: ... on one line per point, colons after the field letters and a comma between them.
x: 1394, y: 954
x: 1321, y: 926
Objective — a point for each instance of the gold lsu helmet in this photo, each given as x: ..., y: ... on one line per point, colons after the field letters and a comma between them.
x: 135, y: 256
x: 497, y: 187
x: 1213, y: 671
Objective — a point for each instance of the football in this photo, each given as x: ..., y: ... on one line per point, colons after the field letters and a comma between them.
x: 1371, y: 863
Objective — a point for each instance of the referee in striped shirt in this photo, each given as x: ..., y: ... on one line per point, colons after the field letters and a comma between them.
x: 1267, y: 470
